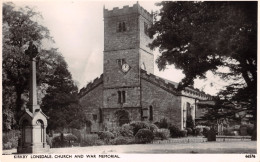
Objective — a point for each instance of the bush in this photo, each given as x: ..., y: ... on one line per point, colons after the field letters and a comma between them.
x: 163, y: 123
x: 78, y: 134
x: 71, y: 137
x: 162, y: 134
x: 126, y: 130
x: 106, y: 136
x: 198, y: 131
x: 99, y: 142
x: 121, y: 140
x: 58, y: 142
x: 189, y: 131
x: 183, y: 133
x: 243, y: 130
x: 174, y: 131
x: 254, y: 135
x: 250, y: 130
x: 7, y: 146
x: 205, y: 131
x: 90, y: 140
x: 137, y: 125
x: 71, y: 140
x: 10, y: 139
x: 48, y: 140
x: 115, y: 131
x: 229, y: 132
x: 63, y: 141
x: 153, y: 128
x: 144, y: 136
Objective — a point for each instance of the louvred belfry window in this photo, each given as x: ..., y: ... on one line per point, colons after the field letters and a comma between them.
x: 121, y: 27
x: 121, y: 96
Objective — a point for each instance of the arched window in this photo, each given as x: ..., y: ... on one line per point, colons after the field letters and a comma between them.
x: 184, y: 115
x: 123, y: 95
x: 124, y: 28
x: 151, y: 113
x: 100, y: 115
x: 119, y: 96
x: 41, y: 131
x: 188, y: 108
x: 146, y: 28
x: 119, y: 27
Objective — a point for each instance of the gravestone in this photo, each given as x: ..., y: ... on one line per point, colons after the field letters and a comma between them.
x: 33, y: 121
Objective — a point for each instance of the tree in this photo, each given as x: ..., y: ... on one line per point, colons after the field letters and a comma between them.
x: 61, y: 101
x: 198, y: 37
x: 53, y: 78
x: 18, y: 29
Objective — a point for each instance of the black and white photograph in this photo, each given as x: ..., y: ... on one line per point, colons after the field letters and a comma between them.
x: 116, y: 80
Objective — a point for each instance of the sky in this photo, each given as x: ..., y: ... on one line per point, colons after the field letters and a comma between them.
x: 78, y: 31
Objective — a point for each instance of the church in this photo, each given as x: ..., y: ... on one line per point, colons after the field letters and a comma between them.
x: 128, y: 90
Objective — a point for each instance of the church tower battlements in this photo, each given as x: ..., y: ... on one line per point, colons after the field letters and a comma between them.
x: 135, y: 9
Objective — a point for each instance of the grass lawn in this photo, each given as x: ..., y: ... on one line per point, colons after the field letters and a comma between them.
x: 235, y: 147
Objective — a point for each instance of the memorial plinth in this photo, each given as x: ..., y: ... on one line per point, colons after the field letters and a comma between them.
x: 33, y: 121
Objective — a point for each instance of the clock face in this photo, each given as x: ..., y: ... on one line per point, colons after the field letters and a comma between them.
x: 125, y: 67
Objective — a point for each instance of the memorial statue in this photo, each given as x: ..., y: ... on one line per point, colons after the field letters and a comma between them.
x: 32, y: 50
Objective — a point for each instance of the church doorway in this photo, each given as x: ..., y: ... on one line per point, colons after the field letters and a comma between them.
x: 123, y: 120
x: 122, y: 117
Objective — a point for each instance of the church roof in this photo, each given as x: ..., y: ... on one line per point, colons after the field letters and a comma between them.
x: 91, y: 85
x: 172, y: 82
x: 172, y: 86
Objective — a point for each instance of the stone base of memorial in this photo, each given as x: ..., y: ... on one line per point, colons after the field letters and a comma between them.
x: 33, y: 132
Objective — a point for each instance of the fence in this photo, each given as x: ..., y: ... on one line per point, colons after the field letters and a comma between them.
x: 203, y: 139
x: 233, y: 138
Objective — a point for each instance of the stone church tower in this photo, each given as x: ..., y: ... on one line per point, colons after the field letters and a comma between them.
x: 125, y: 52
x: 128, y: 90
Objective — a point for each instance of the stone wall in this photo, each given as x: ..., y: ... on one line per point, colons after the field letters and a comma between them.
x: 134, y: 18
x: 148, y: 60
x: 115, y: 40
x: 132, y: 97
x: 164, y: 103
x: 113, y: 74
x: 144, y: 38
x: 92, y: 101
